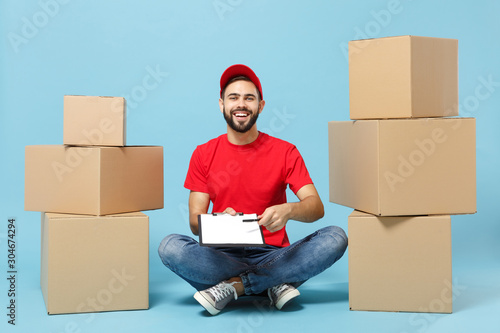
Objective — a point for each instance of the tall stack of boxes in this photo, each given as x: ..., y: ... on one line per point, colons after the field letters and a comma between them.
x: 91, y: 191
x: 405, y: 164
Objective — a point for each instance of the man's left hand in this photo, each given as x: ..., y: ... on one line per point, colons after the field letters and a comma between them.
x: 275, y: 218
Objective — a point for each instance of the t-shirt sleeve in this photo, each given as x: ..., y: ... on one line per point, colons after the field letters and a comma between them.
x: 297, y: 174
x: 196, y: 178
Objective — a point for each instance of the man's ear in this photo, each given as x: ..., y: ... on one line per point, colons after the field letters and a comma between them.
x: 221, y: 105
x: 261, y: 105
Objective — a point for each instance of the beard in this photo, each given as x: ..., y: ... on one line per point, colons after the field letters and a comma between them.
x: 236, y: 126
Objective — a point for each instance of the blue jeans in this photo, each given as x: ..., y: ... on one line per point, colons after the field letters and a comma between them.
x: 259, y: 268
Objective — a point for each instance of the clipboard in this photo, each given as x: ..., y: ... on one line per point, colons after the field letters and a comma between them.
x: 225, y: 230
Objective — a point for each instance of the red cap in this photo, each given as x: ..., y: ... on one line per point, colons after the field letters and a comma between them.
x: 237, y: 70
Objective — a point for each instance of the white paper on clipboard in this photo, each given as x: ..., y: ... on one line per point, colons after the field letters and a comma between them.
x: 228, y: 230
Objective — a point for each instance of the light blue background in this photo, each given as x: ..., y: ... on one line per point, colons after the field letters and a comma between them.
x: 51, y: 48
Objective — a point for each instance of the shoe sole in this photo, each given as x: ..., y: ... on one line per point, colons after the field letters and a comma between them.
x: 287, y: 298
x: 206, y: 304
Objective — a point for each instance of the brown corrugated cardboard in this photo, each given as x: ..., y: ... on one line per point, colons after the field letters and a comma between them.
x: 404, y: 166
x: 400, y: 263
x: 403, y: 77
x: 94, y: 121
x: 93, y: 180
x: 93, y: 264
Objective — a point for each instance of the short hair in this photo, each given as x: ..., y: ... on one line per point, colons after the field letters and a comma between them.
x: 239, y: 78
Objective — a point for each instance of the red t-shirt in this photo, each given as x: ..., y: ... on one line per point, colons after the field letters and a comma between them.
x: 248, y: 178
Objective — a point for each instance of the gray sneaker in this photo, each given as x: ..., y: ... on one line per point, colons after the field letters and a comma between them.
x: 282, y: 294
x: 215, y: 298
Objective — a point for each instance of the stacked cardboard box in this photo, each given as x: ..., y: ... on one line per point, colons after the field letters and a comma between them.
x: 90, y: 190
x: 404, y: 164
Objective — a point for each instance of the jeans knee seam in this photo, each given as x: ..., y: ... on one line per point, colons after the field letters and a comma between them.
x: 282, y: 254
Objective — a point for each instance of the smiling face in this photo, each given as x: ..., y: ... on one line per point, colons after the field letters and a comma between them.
x: 241, y: 105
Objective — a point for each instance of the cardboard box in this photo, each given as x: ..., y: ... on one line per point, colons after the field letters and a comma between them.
x: 93, y: 180
x: 404, y: 166
x: 403, y: 77
x: 93, y: 264
x: 400, y: 263
x: 94, y: 121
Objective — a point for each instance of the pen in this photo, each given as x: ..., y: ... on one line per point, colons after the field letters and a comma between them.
x: 250, y: 220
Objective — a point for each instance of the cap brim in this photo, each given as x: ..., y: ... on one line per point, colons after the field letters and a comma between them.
x: 239, y: 70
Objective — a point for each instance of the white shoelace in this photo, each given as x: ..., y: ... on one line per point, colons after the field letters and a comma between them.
x: 276, y: 290
x: 280, y: 288
x: 222, y: 290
